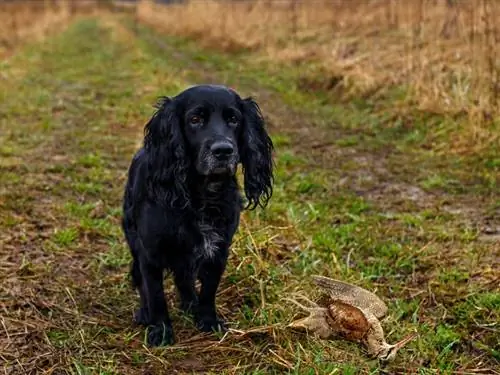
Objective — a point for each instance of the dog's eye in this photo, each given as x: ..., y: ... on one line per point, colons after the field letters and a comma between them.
x: 196, y: 120
x: 233, y: 120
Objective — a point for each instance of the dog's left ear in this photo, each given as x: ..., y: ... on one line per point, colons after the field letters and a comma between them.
x: 166, y: 152
x: 256, y: 149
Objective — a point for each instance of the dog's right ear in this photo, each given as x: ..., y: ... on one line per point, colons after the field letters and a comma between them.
x: 166, y: 150
x: 256, y: 148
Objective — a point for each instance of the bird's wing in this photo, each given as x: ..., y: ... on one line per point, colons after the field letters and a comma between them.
x: 352, y: 294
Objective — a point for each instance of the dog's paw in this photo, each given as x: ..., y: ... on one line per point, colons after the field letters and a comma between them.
x: 160, y: 334
x: 141, y: 317
x: 211, y: 324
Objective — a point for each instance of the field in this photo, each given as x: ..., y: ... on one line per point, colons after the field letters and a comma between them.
x: 378, y: 183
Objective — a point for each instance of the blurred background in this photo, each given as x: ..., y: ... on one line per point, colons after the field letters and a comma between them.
x: 439, y: 56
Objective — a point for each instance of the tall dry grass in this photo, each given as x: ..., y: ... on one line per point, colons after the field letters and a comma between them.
x: 22, y: 21
x: 444, y: 52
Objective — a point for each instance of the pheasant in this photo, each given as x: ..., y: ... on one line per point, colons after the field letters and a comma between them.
x: 350, y: 312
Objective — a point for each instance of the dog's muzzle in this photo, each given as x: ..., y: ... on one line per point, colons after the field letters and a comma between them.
x: 220, y: 158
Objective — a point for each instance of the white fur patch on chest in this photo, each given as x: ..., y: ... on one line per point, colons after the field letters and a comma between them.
x: 211, y: 240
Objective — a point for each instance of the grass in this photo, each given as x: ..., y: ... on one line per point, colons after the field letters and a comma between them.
x: 23, y: 21
x: 359, y: 197
x: 438, y: 57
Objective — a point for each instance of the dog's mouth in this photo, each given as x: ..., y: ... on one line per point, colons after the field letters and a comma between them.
x: 226, y: 168
x: 213, y: 167
x: 222, y: 170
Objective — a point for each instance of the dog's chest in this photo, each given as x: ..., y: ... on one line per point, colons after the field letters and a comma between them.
x: 210, y: 226
x: 214, y: 219
x: 211, y: 238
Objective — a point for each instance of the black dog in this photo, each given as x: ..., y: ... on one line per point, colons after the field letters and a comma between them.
x: 182, y: 202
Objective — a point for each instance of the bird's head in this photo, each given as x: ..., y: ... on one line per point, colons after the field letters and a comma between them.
x: 388, y: 352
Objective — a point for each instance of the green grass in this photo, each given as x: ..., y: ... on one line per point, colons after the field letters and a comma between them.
x: 358, y: 196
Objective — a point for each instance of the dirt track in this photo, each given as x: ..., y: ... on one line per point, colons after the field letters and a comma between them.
x: 346, y: 204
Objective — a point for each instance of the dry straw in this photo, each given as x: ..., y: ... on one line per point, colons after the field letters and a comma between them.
x: 27, y: 21
x: 444, y: 52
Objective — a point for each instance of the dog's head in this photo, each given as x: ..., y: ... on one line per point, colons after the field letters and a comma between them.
x: 208, y: 130
x: 212, y: 119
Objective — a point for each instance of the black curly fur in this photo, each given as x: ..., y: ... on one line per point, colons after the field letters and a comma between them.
x: 179, y: 219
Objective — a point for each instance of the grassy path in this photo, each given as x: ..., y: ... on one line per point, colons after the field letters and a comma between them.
x: 354, y: 204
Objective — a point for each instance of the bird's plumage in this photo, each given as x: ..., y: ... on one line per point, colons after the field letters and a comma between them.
x: 350, y: 312
x: 352, y: 295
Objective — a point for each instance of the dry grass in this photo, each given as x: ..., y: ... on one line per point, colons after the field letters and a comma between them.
x: 22, y: 21
x: 443, y: 54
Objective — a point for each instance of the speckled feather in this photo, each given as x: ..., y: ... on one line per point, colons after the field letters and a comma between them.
x: 352, y: 295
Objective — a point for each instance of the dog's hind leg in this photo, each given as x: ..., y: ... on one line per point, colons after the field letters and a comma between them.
x: 141, y: 315
x: 160, y: 331
x: 135, y: 272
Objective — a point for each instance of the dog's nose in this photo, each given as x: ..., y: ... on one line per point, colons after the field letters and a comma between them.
x: 222, y: 150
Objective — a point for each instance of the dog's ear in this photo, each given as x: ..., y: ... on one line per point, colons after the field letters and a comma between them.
x: 256, y: 150
x: 166, y: 151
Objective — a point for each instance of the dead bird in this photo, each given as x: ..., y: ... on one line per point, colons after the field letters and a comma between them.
x: 350, y: 312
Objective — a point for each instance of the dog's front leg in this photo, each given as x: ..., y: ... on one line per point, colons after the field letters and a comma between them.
x: 184, y: 278
x: 159, y: 331
x: 210, y: 274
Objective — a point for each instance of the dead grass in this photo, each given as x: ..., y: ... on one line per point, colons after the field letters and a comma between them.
x: 442, y: 55
x: 22, y: 21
